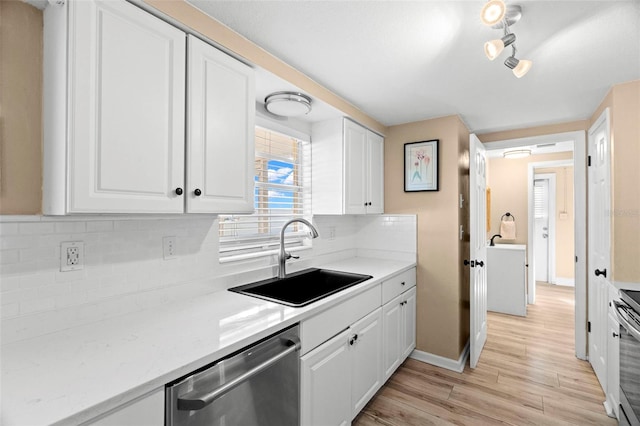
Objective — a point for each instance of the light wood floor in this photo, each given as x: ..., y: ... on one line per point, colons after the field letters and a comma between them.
x: 527, y: 375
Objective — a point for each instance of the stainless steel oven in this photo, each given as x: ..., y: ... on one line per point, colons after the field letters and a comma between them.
x: 628, y: 313
x: 259, y: 385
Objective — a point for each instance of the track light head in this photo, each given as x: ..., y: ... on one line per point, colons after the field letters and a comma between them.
x: 493, y: 12
x: 493, y: 48
x: 519, y: 67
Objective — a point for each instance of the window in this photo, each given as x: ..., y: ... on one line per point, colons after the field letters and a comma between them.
x: 282, y: 192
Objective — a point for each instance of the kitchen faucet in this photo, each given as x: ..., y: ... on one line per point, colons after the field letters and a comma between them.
x: 491, y: 244
x: 283, y: 255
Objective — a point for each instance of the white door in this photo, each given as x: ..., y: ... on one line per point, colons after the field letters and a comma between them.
x: 599, y: 244
x: 366, y: 363
x: 355, y: 170
x: 220, y: 138
x: 375, y: 173
x: 478, y: 248
x: 126, y: 110
x: 541, y: 229
x: 326, y: 383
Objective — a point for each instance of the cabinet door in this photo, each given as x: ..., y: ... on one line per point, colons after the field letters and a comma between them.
x: 375, y: 173
x: 366, y: 371
x: 355, y: 168
x: 408, y: 322
x: 126, y: 75
x: 326, y: 378
x: 220, y: 139
x: 391, y: 336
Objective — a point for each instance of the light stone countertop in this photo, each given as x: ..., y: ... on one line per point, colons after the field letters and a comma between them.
x: 75, y: 375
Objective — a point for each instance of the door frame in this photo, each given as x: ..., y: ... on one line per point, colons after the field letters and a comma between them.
x: 579, y: 139
x: 551, y: 230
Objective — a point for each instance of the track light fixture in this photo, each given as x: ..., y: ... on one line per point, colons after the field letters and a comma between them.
x: 494, y: 47
x: 497, y: 14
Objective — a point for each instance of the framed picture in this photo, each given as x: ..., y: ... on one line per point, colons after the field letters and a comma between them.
x: 421, y: 166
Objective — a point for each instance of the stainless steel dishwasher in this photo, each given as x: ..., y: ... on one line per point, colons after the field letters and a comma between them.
x: 259, y: 385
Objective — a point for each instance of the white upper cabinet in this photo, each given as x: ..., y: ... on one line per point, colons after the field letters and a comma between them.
x: 115, y: 87
x: 220, y: 138
x: 375, y: 173
x: 118, y: 111
x: 348, y: 168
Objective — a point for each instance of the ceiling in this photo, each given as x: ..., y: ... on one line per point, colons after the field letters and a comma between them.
x: 405, y: 61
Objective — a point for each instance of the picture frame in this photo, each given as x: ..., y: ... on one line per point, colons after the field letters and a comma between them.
x: 421, y: 164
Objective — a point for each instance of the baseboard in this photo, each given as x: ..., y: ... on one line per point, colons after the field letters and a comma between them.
x: 569, y: 282
x: 440, y: 361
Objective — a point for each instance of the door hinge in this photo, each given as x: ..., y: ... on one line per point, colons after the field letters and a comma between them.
x: 589, y: 161
x: 576, y: 259
x: 588, y: 326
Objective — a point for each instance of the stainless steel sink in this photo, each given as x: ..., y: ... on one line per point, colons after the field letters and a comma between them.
x: 303, y: 287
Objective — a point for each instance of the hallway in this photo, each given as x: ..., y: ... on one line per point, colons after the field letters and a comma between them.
x: 527, y: 375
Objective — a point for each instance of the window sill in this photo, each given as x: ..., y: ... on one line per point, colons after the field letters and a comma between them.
x: 256, y: 255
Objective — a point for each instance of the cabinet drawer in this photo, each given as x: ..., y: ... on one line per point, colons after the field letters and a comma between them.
x: 322, y: 327
x: 394, y: 286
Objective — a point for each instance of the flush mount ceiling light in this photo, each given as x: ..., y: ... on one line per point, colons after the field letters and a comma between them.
x: 498, y: 15
x: 517, y: 153
x: 288, y: 104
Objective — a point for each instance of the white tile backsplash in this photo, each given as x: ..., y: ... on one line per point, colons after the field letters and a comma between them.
x: 124, y: 269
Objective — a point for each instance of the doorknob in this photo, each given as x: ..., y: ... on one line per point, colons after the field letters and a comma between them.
x: 480, y: 263
x: 598, y: 272
x: 467, y: 263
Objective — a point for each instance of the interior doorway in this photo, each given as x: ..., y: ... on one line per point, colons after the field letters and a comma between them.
x: 577, y: 141
x: 544, y: 194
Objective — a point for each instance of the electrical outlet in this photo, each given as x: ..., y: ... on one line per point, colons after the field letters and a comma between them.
x: 169, y: 248
x: 71, y: 256
x: 332, y: 233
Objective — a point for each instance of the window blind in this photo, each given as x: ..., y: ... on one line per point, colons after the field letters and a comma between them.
x: 282, y: 192
x: 540, y: 199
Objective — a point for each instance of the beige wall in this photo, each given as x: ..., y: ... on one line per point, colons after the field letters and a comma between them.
x: 565, y: 243
x: 440, y: 302
x: 624, y: 103
x: 20, y: 108
x: 508, y: 180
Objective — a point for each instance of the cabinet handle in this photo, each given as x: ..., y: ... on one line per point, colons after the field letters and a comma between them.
x: 402, y: 283
x: 598, y: 272
x: 353, y: 339
x: 480, y: 263
x: 197, y: 192
x: 615, y: 334
x: 178, y: 191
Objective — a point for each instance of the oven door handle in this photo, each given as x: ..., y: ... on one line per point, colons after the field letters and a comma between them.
x: 195, y: 400
x: 625, y: 320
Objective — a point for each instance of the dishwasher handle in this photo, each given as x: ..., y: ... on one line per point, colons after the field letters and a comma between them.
x: 195, y: 400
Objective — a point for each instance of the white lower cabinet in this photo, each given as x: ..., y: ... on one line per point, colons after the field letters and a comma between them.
x: 398, y: 331
x: 146, y: 411
x: 366, y: 360
x: 326, y: 390
x: 340, y: 376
